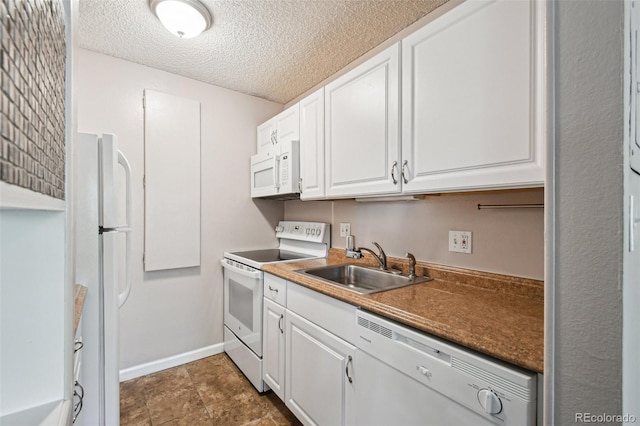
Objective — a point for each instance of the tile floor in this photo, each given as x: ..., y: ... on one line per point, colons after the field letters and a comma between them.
x: 210, y: 391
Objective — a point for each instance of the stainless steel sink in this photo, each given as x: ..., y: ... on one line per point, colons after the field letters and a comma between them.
x: 361, y: 279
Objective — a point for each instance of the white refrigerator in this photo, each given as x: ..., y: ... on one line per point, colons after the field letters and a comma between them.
x: 103, y: 265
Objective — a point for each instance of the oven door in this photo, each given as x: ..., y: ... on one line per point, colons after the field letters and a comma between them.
x: 264, y: 174
x: 243, y: 303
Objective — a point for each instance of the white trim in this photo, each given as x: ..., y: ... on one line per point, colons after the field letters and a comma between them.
x: 631, y: 254
x: 547, y: 381
x: 172, y: 361
x: 16, y: 197
x: 49, y: 414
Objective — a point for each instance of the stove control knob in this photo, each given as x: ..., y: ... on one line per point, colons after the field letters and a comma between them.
x: 489, y: 401
x: 279, y: 228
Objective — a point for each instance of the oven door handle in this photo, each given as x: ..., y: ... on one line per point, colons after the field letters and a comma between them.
x: 249, y: 274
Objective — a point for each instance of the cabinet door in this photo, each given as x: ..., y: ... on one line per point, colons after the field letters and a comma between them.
x: 287, y: 125
x: 273, y: 346
x: 362, y: 128
x: 320, y: 377
x: 265, y: 137
x: 474, y: 96
x: 312, y: 146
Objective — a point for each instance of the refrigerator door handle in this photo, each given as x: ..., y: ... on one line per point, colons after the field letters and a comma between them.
x: 122, y: 160
x: 122, y: 297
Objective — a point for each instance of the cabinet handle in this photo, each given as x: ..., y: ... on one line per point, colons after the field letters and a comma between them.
x: 77, y: 345
x: 77, y: 407
x: 300, y: 185
x: 393, y: 172
x: 273, y: 289
x: 346, y: 369
x: 404, y: 177
x: 280, y: 323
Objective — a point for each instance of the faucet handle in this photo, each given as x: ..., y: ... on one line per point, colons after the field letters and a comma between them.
x: 382, y: 255
x: 412, y: 265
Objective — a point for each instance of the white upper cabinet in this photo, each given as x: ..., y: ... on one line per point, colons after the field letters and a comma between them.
x: 362, y: 149
x: 312, y: 146
x: 287, y: 124
x: 474, y: 99
x: 473, y: 115
x: 265, y: 137
x: 282, y: 128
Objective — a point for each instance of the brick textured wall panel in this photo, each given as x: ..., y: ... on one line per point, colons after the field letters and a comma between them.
x: 32, y: 95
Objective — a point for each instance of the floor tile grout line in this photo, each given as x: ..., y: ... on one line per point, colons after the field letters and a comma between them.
x: 225, y: 367
x: 146, y: 400
x: 199, y: 396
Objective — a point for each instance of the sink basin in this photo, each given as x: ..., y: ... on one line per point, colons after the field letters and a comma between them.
x: 361, y: 279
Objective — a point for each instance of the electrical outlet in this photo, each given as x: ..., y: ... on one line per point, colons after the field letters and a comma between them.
x: 460, y: 241
x: 345, y: 229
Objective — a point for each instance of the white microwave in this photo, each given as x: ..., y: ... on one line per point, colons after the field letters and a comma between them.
x: 275, y: 173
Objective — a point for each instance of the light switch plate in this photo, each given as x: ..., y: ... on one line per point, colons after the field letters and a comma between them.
x: 345, y: 229
x: 460, y: 241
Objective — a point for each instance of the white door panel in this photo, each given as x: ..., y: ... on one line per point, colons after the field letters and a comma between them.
x: 318, y: 367
x: 474, y: 87
x: 273, y: 342
x: 362, y: 128
x: 110, y: 323
x: 312, y: 146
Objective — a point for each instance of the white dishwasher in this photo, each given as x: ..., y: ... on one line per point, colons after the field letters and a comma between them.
x: 408, y: 378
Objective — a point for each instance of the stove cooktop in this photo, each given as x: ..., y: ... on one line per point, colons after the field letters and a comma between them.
x: 296, y: 241
x: 269, y: 255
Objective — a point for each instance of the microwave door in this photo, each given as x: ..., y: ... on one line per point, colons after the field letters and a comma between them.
x: 264, y: 179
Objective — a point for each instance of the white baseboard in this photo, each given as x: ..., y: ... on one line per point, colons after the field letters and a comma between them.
x: 172, y: 361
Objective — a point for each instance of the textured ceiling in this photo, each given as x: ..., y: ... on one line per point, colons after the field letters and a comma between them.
x: 274, y: 49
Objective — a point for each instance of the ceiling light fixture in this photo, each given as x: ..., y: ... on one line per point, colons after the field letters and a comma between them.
x: 184, y: 18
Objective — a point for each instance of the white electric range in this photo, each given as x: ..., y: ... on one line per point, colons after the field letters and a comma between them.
x: 243, y: 290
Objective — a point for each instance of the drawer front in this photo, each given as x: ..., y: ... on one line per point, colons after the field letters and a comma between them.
x: 331, y: 314
x: 275, y: 288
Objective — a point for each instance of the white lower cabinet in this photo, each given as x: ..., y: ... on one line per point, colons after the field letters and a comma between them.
x: 273, y: 346
x: 308, y: 355
x: 320, y: 386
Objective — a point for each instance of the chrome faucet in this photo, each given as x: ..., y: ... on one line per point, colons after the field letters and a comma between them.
x: 381, y: 258
x: 412, y: 266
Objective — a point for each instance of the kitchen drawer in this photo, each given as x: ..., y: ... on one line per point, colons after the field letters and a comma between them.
x: 326, y: 312
x: 275, y: 288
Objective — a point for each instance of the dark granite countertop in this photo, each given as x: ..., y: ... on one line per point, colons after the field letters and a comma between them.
x: 497, y: 315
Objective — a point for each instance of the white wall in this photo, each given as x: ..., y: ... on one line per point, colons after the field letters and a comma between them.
x: 506, y: 241
x: 584, y: 331
x: 32, y: 308
x: 172, y: 312
x: 631, y: 219
x: 631, y: 310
